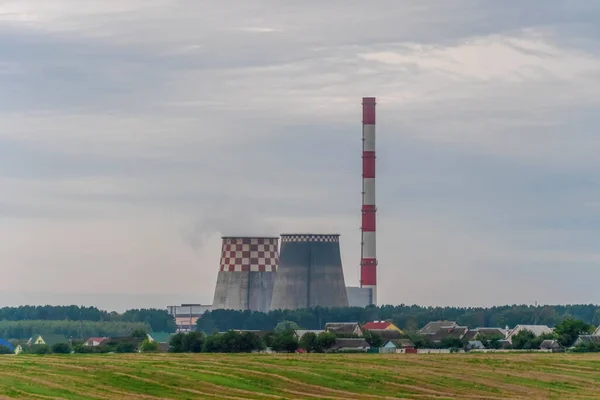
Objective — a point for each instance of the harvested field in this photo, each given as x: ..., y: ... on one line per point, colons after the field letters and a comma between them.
x: 307, y: 376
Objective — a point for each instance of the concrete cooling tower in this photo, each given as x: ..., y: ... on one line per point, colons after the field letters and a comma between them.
x: 247, y: 273
x: 310, y: 273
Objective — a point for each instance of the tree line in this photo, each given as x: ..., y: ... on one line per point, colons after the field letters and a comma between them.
x: 157, y: 320
x: 245, y: 342
x: 409, y: 318
x: 75, y: 329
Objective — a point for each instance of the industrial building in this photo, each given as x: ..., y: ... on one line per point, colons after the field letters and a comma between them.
x: 246, y: 273
x: 310, y: 272
x: 307, y: 271
x: 186, y: 315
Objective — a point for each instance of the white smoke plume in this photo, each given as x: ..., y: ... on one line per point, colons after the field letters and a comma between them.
x: 227, y: 220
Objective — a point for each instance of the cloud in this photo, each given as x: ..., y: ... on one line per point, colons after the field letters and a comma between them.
x: 135, y: 134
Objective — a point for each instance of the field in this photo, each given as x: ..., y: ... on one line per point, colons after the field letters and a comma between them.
x: 307, y: 376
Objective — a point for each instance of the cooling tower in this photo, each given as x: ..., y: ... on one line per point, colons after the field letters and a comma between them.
x: 247, y: 273
x: 310, y: 273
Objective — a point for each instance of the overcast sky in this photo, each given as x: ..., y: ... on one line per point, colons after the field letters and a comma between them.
x: 134, y: 133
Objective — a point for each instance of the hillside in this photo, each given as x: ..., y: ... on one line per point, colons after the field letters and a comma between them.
x: 218, y: 376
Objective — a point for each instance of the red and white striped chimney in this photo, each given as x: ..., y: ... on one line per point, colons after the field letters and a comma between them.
x: 368, y: 262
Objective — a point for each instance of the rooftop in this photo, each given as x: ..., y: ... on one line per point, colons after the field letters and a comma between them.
x: 377, y: 325
x: 537, y: 330
x: 434, y: 326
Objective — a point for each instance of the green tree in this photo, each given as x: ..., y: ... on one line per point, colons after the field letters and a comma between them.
x: 490, y: 341
x: 373, y: 339
x: 286, y: 326
x: 126, y: 347
x: 268, y: 339
x: 158, y: 320
x: 81, y: 349
x: 213, y: 344
x: 451, y: 343
x: 176, y: 344
x: 249, y: 341
x: 285, y: 342
x: 596, y: 319
x: 524, y: 340
x: 324, y: 341
x: 591, y: 347
x: 230, y: 342
x: 148, y: 347
x: 308, y: 342
x: 193, y: 342
x: 139, y: 334
x: 40, y: 349
x: 569, y: 330
x: 61, y: 348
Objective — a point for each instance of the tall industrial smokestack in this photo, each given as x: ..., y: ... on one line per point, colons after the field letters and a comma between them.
x: 368, y: 262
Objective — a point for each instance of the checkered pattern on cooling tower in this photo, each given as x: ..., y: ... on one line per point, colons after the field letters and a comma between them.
x: 310, y: 238
x: 249, y: 255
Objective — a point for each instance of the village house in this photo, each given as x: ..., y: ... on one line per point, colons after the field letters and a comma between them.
x: 350, y: 345
x: 481, y: 333
x: 15, y: 349
x: 587, y: 339
x: 46, y: 339
x: 299, y: 333
x: 159, y: 337
x: 434, y: 327
x: 381, y: 326
x: 95, y: 341
x: 344, y: 328
x: 537, y: 330
x: 551, y: 345
x: 475, y: 345
x: 437, y: 331
x: 405, y: 344
x: 384, y: 329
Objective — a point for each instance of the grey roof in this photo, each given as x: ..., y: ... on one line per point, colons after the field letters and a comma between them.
x: 597, y: 333
x: 457, y: 332
x: 400, y: 343
x: 342, y: 327
x: 549, y: 344
x: 475, y: 344
x: 350, y: 343
x: 587, y: 339
x: 301, y: 332
x: 537, y: 330
x: 386, y: 334
x: 473, y: 333
x: 434, y: 326
x: 50, y: 339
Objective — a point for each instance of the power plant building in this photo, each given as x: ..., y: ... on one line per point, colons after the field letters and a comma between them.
x: 247, y: 273
x: 186, y: 315
x: 310, y: 273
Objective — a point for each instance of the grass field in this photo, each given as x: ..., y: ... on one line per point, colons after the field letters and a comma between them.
x: 307, y: 376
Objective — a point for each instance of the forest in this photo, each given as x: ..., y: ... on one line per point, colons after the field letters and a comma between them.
x: 410, y: 318
x: 97, y: 322
x: 70, y: 329
x: 66, y: 320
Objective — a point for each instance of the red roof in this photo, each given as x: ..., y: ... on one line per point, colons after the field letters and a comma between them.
x: 376, y: 325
